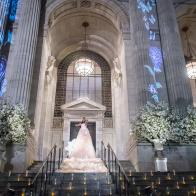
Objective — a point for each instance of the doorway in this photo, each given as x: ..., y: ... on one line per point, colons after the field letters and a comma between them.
x: 75, y: 129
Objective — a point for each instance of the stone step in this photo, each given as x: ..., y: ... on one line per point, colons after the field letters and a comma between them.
x: 79, y: 193
x: 82, y: 186
x: 135, y: 174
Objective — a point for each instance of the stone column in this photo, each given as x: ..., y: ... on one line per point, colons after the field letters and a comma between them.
x: 45, y: 136
x: 21, y: 60
x: 178, y: 83
x: 137, y: 59
x: 136, y: 79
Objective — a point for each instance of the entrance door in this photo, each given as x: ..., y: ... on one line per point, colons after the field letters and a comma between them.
x: 91, y: 127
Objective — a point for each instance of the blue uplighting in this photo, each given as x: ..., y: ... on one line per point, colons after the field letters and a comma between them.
x: 145, y: 6
x: 3, y: 63
x: 9, y: 37
x: 152, y: 36
x: 12, y: 14
x: 5, y: 5
x: 156, y: 58
x: 152, y: 88
x: 8, y: 16
x: 155, y: 53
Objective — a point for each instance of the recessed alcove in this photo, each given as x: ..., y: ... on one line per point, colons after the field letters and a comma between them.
x: 83, y: 107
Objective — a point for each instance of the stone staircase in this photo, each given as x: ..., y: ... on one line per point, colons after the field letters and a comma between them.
x: 162, y: 184
x: 14, y: 183
x: 35, y: 166
x: 76, y: 184
x: 100, y: 184
x: 80, y: 184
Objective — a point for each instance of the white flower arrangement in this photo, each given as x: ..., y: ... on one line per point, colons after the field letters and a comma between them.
x: 157, y: 122
x: 14, y: 124
x: 187, y: 126
x: 153, y: 123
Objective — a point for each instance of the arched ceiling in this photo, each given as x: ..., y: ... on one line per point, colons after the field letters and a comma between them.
x: 186, y: 17
x: 107, y: 22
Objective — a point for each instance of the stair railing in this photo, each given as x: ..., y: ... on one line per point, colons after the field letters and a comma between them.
x: 43, y: 178
x: 61, y: 153
x: 104, y: 153
x: 119, y: 177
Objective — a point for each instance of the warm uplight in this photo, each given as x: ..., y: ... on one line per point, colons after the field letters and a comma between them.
x: 191, y: 70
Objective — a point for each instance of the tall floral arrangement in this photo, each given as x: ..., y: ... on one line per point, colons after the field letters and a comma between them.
x: 153, y: 123
x: 188, y: 126
x: 158, y: 122
x: 14, y: 124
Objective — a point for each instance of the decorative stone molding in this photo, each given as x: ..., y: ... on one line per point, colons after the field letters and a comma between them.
x: 57, y: 122
x: 51, y: 62
x: 50, y: 68
x: 117, y: 73
x: 108, y: 123
x: 111, y: 9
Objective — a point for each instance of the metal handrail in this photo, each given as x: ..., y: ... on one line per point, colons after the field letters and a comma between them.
x: 39, y: 171
x: 46, y: 171
x: 122, y: 169
x: 118, y: 174
x: 103, y: 153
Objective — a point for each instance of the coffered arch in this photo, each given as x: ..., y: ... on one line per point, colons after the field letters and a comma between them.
x: 112, y: 9
x: 108, y: 20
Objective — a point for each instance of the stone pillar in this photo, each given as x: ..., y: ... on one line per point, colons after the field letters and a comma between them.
x: 178, y: 83
x: 136, y: 78
x: 138, y: 59
x: 21, y: 60
x: 45, y: 136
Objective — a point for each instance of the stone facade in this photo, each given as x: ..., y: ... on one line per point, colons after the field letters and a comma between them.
x: 117, y: 40
x: 178, y: 157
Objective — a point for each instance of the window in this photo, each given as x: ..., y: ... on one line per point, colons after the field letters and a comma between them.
x: 78, y: 86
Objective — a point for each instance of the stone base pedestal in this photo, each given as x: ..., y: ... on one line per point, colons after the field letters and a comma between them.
x: 2, y: 157
x: 15, y: 158
x: 179, y: 157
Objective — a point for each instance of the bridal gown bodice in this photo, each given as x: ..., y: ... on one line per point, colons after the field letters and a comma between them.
x: 83, y: 126
x: 82, y: 146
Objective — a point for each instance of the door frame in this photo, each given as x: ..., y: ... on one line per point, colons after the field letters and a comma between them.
x: 93, y: 136
x: 84, y: 107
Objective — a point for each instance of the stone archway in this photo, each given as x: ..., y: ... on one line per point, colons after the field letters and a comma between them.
x: 107, y: 37
x: 61, y: 80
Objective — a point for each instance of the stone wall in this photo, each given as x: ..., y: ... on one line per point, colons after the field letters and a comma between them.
x: 179, y: 157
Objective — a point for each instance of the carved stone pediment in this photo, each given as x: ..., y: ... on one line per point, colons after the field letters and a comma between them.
x: 83, y: 104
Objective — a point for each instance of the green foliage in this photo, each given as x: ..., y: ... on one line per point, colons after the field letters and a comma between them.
x: 14, y: 124
x: 158, y: 122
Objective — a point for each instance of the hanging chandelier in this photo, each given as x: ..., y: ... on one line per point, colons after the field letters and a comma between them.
x: 191, y: 69
x: 84, y: 66
x: 189, y: 57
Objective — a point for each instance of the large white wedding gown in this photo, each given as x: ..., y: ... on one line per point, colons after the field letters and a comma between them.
x: 82, y: 156
x: 82, y: 146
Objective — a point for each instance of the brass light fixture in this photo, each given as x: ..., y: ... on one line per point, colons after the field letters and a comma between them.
x: 84, y: 66
x: 190, y: 57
